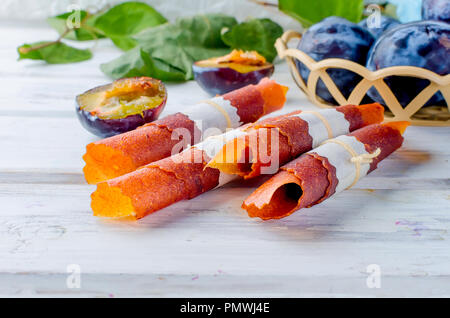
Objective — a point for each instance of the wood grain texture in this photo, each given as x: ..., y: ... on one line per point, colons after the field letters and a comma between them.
x: 397, y: 217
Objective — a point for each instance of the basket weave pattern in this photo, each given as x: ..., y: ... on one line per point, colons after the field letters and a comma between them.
x: 413, y: 112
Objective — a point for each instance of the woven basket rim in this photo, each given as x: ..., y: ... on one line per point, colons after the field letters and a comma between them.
x: 369, y: 78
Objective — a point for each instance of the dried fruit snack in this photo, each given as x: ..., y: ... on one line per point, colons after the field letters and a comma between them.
x: 159, y: 184
x: 118, y: 155
x: 186, y: 175
x: 326, y: 170
x: 275, y: 141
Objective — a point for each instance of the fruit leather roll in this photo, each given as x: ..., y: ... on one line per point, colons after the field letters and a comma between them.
x: 326, y: 170
x: 120, y: 154
x: 276, y: 141
x: 162, y: 183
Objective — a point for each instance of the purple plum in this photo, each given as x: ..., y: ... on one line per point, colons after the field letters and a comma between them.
x: 220, y: 75
x: 377, y: 27
x: 423, y: 44
x: 335, y: 37
x: 436, y: 10
x: 121, y: 106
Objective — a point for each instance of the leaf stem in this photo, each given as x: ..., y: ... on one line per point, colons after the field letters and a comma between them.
x: 25, y: 50
x: 264, y: 3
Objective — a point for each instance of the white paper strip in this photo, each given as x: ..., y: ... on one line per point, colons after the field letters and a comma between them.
x: 340, y: 158
x: 207, y: 116
x: 224, y: 178
x: 212, y: 145
x: 317, y: 129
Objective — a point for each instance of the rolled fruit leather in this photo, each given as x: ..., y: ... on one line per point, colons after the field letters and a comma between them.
x: 161, y: 183
x: 185, y: 175
x: 326, y: 170
x: 121, y: 154
x: 253, y: 154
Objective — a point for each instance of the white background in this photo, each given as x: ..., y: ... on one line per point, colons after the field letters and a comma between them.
x: 39, y: 10
x: 398, y: 217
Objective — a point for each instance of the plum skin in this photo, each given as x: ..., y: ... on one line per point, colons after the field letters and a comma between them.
x: 335, y: 37
x: 109, y: 127
x: 221, y: 80
x: 436, y: 10
x: 421, y: 44
x: 386, y: 23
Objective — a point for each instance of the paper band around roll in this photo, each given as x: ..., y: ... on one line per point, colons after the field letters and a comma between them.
x: 221, y: 110
x: 217, y: 143
x: 299, y: 132
x: 321, y: 124
x: 225, y: 178
x: 340, y: 158
x: 324, y: 121
x: 323, y: 172
x: 358, y: 158
x: 228, y: 117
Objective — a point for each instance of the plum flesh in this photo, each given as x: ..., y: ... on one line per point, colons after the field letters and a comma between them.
x: 224, y: 74
x: 436, y: 10
x: 423, y: 44
x: 335, y: 37
x: 385, y: 23
x: 121, y: 106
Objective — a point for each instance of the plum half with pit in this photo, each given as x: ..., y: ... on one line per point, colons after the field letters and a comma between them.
x: 121, y: 106
x: 436, y: 10
x: 424, y: 44
x: 220, y: 75
x: 377, y: 26
x: 335, y: 37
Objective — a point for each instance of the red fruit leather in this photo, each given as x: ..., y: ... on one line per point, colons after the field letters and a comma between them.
x: 310, y: 179
x: 243, y: 156
x: 118, y: 155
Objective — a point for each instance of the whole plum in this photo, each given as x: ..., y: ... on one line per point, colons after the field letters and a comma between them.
x: 377, y: 27
x: 436, y: 10
x: 335, y: 37
x: 423, y: 44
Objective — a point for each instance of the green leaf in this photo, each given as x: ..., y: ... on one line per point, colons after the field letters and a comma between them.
x: 85, y: 32
x: 168, y: 51
x: 255, y: 35
x: 201, y: 31
x: 124, y: 20
x: 56, y: 53
x: 310, y: 12
x: 137, y: 62
x: 204, y: 29
x: 187, y: 40
x: 123, y: 42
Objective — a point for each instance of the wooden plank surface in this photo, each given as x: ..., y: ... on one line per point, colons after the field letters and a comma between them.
x: 398, y: 217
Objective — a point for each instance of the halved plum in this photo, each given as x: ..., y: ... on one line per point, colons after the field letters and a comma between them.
x: 220, y: 75
x: 121, y: 106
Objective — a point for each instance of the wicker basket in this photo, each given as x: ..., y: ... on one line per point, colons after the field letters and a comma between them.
x: 413, y: 112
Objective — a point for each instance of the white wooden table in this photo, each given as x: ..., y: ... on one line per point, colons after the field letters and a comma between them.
x: 397, y: 218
